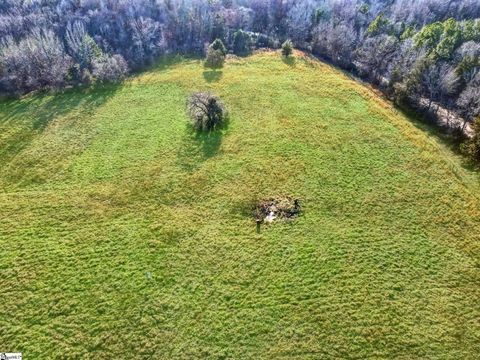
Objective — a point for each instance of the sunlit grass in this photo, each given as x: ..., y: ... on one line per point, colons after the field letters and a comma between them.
x: 123, y: 233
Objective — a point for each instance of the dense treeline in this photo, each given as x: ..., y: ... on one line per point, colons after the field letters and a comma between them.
x: 423, y: 52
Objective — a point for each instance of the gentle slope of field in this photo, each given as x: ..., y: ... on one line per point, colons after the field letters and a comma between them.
x: 122, y: 233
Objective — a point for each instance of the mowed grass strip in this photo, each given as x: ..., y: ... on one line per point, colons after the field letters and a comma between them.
x: 122, y: 232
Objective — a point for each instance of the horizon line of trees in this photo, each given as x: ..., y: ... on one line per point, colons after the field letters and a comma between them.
x: 421, y: 52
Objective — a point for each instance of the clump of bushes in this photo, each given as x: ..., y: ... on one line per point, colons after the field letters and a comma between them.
x: 110, y: 68
x: 287, y: 48
x: 206, y: 111
x: 263, y: 41
x: 242, y: 43
x: 216, y: 53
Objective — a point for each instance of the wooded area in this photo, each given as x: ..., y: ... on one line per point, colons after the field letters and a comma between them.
x: 414, y: 49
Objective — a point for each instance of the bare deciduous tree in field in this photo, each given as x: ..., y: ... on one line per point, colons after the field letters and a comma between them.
x: 206, y: 111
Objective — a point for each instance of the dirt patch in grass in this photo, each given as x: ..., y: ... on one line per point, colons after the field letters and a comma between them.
x: 277, y: 209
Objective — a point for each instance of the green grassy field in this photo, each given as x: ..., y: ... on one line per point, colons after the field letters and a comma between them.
x: 124, y: 234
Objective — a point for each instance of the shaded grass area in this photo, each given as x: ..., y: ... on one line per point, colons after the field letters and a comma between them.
x: 451, y: 138
x: 124, y: 232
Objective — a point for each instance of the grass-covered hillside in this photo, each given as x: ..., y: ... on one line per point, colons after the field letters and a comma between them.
x: 123, y: 233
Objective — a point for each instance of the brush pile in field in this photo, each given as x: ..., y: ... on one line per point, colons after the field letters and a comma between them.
x: 274, y: 209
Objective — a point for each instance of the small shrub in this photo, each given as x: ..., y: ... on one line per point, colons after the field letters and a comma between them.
x: 206, y: 111
x: 217, y: 44
x: 287, y: 48
x: 216, y: 53
x: 215, y: 57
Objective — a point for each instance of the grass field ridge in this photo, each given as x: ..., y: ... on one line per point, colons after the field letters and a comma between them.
x: 122, y: 231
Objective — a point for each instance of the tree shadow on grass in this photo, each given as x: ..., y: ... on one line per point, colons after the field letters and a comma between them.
x: 36, y: 111
x: 290, y: 61
x: 44, y: 107
x: 443, y: 135
x: 166, y: 62
x: 200, y: 146
x: 212, y: 75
